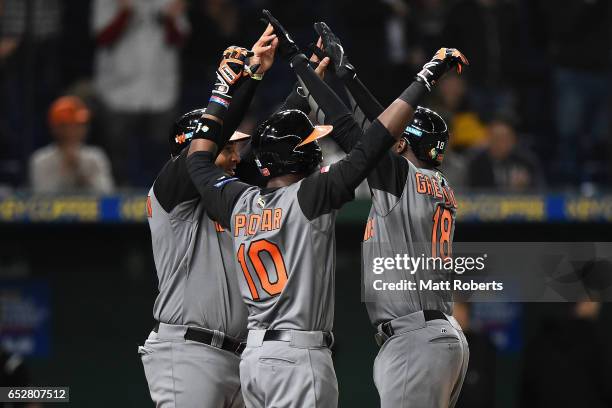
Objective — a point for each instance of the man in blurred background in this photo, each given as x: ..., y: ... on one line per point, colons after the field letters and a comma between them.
x: 29, y: 78
x: 68, y: 165
x: 137, y: 76
x: 504, y: 164
x: 579, y: 44
x: 486, y: 31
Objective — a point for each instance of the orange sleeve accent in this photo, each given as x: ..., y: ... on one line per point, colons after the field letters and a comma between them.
x: 149, y: 208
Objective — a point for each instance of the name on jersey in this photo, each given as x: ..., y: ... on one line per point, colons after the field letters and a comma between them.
x: 249, y: 224
x: 431, y: 186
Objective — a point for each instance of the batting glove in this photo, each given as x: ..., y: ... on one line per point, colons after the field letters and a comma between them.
x: 231, y: 70
x: 333, y: 49
x: 442, y: 62
x: 286, y: 46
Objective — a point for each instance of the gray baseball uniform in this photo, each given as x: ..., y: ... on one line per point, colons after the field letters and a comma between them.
x: 198, y: 288
x: 423, y: 360
x: 413, y: 212
x: 287, y: 261
x: 284, y: 244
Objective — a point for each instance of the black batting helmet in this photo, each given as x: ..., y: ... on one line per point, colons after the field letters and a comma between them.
x: 427, y: 136
x: 286, y: 143
x: 183, y: 129
x: 185, y: 126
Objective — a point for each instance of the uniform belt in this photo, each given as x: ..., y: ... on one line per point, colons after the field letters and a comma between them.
x: 286, y: 335
x: 386, y: 330
x: 212, y: 338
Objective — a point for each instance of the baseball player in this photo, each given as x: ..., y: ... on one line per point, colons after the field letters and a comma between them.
x: 284, y: 233
x: 191, y: 357
x: 424, y: 354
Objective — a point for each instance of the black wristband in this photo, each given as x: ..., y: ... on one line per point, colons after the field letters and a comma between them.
x: 218, y: 105
x: 413, y: 94
x: 210, y: 130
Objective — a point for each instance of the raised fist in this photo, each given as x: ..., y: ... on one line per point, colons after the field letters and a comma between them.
x: 443, y: 61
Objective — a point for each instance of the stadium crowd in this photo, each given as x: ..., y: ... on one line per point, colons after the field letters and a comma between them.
x: 533, y: 112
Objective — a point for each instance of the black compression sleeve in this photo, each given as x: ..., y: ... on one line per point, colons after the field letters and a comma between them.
x: 365, y: 106
x: 366, y: 154
x: 322, y: 99
x: 241, y: 101
x: 365, y: 110
x: 346, y: 132
x: 296, y: 100
x: 413, y: 94
x: 322, y: 192
x: 218, y: 190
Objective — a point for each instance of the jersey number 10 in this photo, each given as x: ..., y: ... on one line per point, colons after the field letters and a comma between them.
x: 254, y: 252
x: 441, y: 245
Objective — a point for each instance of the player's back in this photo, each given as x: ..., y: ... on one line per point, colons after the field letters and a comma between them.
x: 412, y: 213
x: 287, y: 259
x: 193, y: 257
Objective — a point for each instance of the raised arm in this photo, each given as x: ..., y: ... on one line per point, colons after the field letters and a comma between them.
x: 330, y: 189
x: 298, y: 99
x: 220, y: 190
x: 256, y: 66
x: 365, y: 106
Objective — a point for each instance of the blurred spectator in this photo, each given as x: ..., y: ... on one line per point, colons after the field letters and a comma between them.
x: 479, y: 385
x: 450, y: 101
x: 216, y: 25
x: 503, y: 165
x: 67, y: 165
x: 566, y: 363
x: 395, y: 21
x: 579, y: 45
x: 137, y: 76
x: 424, y: 30
x: 364, y: 37
x: 454, y: 168
x: 486, y: 32
x: 29, y: 76
x: 466, y: 129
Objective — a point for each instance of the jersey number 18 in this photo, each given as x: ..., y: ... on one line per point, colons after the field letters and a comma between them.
x: 441, y: 245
